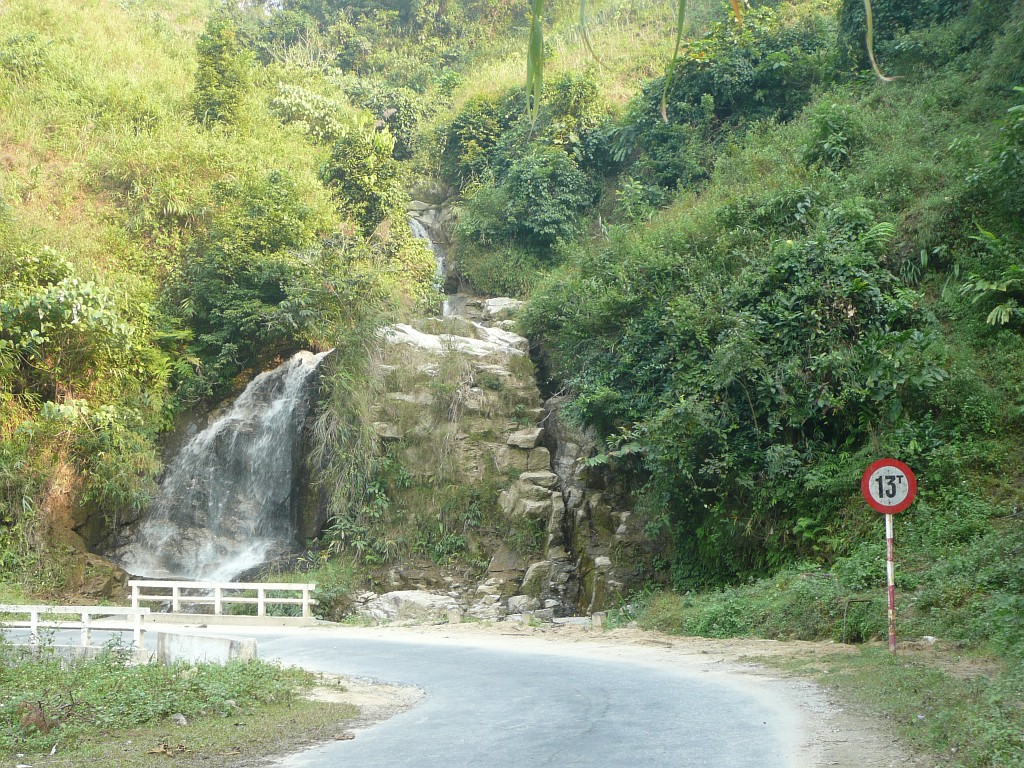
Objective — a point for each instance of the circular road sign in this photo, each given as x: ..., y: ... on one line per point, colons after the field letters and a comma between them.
x: 889, y: 486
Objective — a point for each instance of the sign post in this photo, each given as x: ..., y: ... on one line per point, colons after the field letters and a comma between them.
x: 889, y: 486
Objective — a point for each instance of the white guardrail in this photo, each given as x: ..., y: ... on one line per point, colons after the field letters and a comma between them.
x: 220, y: 593
x: 89, y: 615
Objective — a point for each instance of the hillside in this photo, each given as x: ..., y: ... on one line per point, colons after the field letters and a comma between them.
x: 748, y: 277
x: 165, y: 228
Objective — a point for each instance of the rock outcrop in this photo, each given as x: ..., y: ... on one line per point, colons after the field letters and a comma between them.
x: 461, y: 406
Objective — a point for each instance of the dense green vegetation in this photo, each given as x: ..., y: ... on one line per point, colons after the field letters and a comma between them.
x: 791, y: 271
x: 841, y: 287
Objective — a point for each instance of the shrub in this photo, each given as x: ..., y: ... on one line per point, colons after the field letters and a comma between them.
x: 547, y: 196
x: 836, y: 135
x: 396, y: 108
x: 323, y: 118
x: 223, y: 74
x: 470, y: 139
x: 500, y: 270
x: 363, y: 175
x: 234, y: 285
x: 765, y: 68
x: 891, y: 19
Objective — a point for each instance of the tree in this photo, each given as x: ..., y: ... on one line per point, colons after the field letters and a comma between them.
x: 223, y: 74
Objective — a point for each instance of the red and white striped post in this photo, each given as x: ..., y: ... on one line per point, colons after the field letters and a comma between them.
x: 890, y: 573
x: 889, y: 486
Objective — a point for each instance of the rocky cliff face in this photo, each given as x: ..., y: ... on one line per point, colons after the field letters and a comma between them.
x: 461, y: 407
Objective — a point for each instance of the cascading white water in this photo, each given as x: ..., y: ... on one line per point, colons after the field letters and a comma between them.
x: 225, y: 504
x: 419, y: 231
x: 452, y: 304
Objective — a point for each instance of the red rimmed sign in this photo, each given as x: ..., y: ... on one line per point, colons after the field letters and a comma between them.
x: 889, y: 486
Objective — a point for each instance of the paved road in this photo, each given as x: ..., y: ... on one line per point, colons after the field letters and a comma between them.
x: 513, y: 705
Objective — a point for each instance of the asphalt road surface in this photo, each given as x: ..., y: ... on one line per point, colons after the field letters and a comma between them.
x: 494, y: 702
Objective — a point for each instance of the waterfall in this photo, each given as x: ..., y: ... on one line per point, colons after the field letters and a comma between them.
x: 453, y: 304
x: 225, y: 504
x: 419, y: 230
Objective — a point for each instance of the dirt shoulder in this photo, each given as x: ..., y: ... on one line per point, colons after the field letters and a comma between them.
x: 826, y: 732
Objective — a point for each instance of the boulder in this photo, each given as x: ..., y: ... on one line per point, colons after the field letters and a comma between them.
x: 536, y: 510
x: 387, y: 432
x: 409, y: 577
x: 98, y: 578
x: 522, y: 604
x: 524, y: 499
x: 512, y: 459
x: 526, y: 438
x: 488, y: 608
x: 401, y: 333
x: 408, y: 606
x: 536, y: 578
x: 544, y: 479
x: 501, y: 308
x: 502, y: 337
x: 506, y: 565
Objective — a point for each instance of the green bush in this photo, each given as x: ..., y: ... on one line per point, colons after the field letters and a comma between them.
x: 110, y: 692
x: 892, y: 18
x: 737, y: 387
x: 764, y: 69
x: 1001, y: 179
x: 23, y: 56
x: 363, y: 175
x: 323, y: 118
x: 236, y: 288
x: 470, y: 139
x: 500, y: 270
x: 837, y: 134
x: 398, y: 108
x: 482, y: 217
x: 547, y: 197
x: 223, y: 75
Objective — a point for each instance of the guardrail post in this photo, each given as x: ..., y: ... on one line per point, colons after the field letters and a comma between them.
x: 307, y: 609
x: 135, y: 595
x: 176, y: 599
x: 86, y: 629
x: 137, y: 632
x: 33, y: 628
x: 218, y: 607
x: 261, y: 605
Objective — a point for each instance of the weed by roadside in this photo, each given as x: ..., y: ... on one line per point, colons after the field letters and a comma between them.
x: 963, y: 708
x: 52, y: 704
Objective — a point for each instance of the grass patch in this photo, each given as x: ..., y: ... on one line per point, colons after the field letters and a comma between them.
x: 95, y: 709
x: 267, y: 729
x: 797, y: 604
x: 965, y: 708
